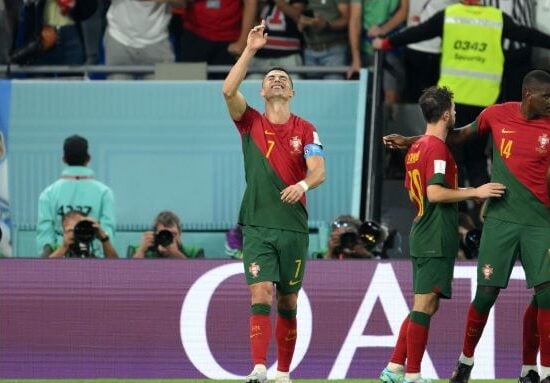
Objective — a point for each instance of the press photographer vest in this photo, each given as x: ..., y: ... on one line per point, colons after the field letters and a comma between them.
x: 472, y: 60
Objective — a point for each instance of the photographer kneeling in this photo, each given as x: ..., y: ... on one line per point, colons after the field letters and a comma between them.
x: 79, y: 237
x: 350, y: 238
x: 164, y: 241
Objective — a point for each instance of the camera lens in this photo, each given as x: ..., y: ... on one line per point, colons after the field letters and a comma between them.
x: 84, y: 231
x: 163, y: 238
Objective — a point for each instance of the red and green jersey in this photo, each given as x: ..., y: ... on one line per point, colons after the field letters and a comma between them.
x: 521, y: 156
x: 274, y: 158
x: 434, y: 232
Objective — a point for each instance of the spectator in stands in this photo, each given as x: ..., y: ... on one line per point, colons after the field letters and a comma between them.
x: 379, y: 18
x: 93, y: 30
x: 137, y: 34
x: 541, y: 57
x: 164, y: 241
x: 79, y: 233
x: 324, y: 25
x: 51, y: 35
x: 8, y: 18
x: 215, y: 31
x: 76, y: 190
x: 283, y: 47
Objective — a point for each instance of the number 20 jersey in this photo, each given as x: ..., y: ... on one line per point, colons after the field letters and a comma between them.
x: 434, y: 232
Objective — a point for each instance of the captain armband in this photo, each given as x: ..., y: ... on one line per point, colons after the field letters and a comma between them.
x: 313, y: 150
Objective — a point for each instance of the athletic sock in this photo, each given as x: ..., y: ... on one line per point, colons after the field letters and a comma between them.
x: 399, y: 355
x: 475, y: 323
x: 543, y: 322
x: 285, y: 332
x: 417, y: 338
x: 530, y: 335
x: 260, y: 333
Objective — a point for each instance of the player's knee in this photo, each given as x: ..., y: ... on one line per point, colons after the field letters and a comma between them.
x: 287, y: 301
x: 542, y: 296
x: 262, y: 293
x: 485, y: 298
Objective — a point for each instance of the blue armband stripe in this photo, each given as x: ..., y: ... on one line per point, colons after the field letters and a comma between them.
x: 313, y: 150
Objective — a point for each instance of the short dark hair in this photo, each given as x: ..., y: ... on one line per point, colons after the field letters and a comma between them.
x: 434, y: 102
x: 534, y: 80
x: 167, y: 218
x: 282, y: 70
x: 75, y: 150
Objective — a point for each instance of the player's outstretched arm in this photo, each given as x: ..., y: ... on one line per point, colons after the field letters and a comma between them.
x: 461, y: 135
x: 236, y: 104
x: 397, y: 141
x: 441, y: 194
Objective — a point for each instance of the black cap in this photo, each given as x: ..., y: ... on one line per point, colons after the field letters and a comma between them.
x: 75, y: 150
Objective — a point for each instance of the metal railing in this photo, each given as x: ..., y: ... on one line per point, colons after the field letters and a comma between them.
x: 86, y: 71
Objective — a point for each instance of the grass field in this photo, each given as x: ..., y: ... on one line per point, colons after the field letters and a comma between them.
x: 223, y: 381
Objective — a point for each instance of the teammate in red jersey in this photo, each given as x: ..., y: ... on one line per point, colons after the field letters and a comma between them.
x: 516, y: 225
x: 283, y: 159
x: 432, y: 184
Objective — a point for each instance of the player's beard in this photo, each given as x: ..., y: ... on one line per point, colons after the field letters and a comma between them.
x: 451, y: 125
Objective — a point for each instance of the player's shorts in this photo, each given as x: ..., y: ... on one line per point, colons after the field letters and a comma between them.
x: 433, y: 275
x: 275, y: 255
x: 502, y: 243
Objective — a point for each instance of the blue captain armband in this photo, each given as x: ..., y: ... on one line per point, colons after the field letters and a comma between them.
x: 313, y: 150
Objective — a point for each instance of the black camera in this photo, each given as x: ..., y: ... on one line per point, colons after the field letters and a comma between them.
x: 83, y: 234
x: 368, y: 235
x: 84, y: 231
x: 163, y: 238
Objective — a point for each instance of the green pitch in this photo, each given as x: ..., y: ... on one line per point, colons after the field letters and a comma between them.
x: 222, y: 381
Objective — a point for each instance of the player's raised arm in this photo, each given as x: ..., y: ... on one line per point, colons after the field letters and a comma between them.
x: 236, y: 104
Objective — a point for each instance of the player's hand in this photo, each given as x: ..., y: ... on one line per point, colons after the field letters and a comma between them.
x: 375, y: 31
x: 292, y: 194
x: 355, y: 67
x: 491, y: 189
x: 256, y: 37
x: 396, y: 141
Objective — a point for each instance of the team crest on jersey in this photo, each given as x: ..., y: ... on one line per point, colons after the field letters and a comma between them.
x: 296, y: 145
x: 254, y: 269
x: 543, y: 140
x: 487, y: 271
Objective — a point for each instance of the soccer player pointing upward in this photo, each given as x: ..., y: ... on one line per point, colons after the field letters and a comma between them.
x: 283, y: 159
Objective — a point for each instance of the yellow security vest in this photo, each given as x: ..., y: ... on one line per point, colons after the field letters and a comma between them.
x: 472, y: 60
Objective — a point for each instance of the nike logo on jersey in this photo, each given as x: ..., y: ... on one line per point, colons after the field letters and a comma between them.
x: 269, y: 133
x: 504, y: 131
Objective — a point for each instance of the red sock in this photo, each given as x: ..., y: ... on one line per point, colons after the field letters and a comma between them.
x: 400, y: 351
x: 474, y: 328
x: 543, y: 322
x: 530, y: 336
x: 417, y: 338
x: 285, y: 332
x: 260, y: 335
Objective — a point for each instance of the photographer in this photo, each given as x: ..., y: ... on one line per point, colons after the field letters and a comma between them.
x: 346, y: 241
x: 164, y: 241
x: 76, y: 190
x: 79, y: 238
